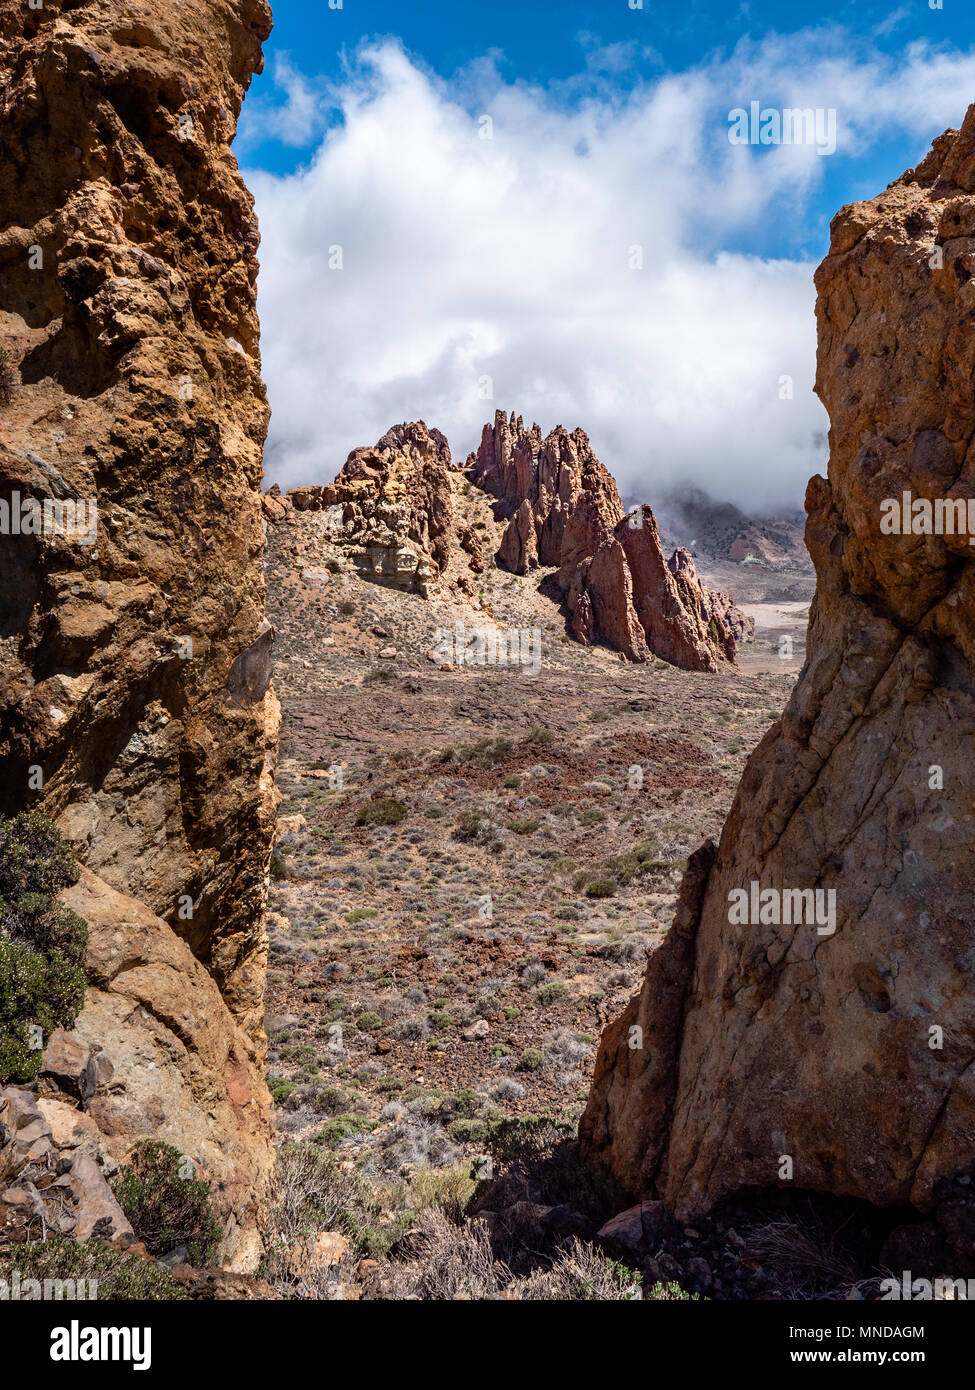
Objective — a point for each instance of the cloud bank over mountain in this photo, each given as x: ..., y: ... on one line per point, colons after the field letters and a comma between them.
x: 582, y: 254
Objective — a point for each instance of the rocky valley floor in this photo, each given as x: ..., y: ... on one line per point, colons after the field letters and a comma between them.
x: 472, y: 865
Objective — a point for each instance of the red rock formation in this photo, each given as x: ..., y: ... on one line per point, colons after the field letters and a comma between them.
x: 849, y: 1051
x: 135, y: 705
x: 565, y: 510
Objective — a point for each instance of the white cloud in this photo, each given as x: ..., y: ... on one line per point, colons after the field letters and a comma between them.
x: 507, y: 258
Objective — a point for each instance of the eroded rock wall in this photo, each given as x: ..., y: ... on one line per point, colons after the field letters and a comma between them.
x: 135, y: 704
x: 847, y: 1045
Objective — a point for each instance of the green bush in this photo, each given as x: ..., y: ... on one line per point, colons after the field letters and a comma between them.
x: 550, y: 992
x: 7, y: 377
x: 532, y: 1059
x: 167, y: 1208
x: 118, y: 1276
x: 343, y: 1127
x: 601, y: 888
x: 381, y: 810
x: 42, y: 942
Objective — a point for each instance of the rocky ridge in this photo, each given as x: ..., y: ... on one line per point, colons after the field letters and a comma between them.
x: 391, y: 508
x: 565, y: 511
x: 846, y: 1050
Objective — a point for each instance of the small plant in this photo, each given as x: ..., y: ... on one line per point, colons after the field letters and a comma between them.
x: 368, y: 1021
x: 550, y: 992
x: 525, y: 827
x: 344, y: 1127
x: 166, y: 1203
x: 601, y: 888
x: 532, y: 1059
x: 381, y: 810
x: 7, y: 377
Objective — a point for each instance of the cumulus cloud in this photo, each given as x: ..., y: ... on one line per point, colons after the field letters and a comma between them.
x: 578, y: 254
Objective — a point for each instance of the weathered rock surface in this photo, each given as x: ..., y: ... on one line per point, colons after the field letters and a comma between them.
x: 133, y: 329
x: 852, y: 1052
x: 565, y: 510
x: 135, y: 705
x: 392, y: 507
x: 183, y: 1071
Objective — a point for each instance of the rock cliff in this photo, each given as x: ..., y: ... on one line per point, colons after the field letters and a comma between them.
x: 565, y: 510
x: 135, y: 704
x: 831, y: 1046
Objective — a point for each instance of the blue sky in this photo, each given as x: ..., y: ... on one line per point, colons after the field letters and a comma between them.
x: 609, y: 130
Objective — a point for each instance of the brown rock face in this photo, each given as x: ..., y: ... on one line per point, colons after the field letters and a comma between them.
x: 844, y: 1037
x: 392, y: 506
x: 565, y: 510
x: 135, y: 705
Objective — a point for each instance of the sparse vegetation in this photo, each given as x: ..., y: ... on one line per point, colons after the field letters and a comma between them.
x: 42, y: 943
x: 167, y: 1205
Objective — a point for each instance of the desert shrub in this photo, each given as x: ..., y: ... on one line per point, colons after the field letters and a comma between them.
x: 537, y: 734
x: 626, y: 948
x: 166, y: 1205
x: 473, y: 829
x: 379, y: 673
x: 450, y: 1189
x: 468, y: 827
x: 532, y: 1059
x: 118, y: 1276
x: 381, y: 810
x: 525, y: 827
x: 580, y: 1273
x: 343, y: 1127
x: 466, y: 1131
x: 550, y: 992
x: 486, y: 752
x: 601, y: 888
x: 369, y: 1021
x: 42, y: 942
x: 7, y: 377
x: 312, y: 1192
x: 538, y: 1158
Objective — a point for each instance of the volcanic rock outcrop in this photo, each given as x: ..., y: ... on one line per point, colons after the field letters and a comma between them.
x: 135, y: 704
x: 564, y: 510
x: 389, y: 508
x: 840, y: 1033
x: 395, y: 507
